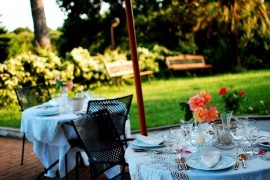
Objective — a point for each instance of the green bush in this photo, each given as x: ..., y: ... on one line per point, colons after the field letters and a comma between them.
x: 87, y: 72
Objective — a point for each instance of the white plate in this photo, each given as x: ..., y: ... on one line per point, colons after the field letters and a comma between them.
x: 139, y: 143
x: 225, y: 161
x: 46, y: 110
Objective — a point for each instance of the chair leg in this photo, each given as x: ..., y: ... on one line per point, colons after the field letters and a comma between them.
x: 23, y: 143
x: 78, y: 157
x: 66, y: 167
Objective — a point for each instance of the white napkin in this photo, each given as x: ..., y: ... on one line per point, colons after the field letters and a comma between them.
x: 149, y: 140
x: 210, y: 159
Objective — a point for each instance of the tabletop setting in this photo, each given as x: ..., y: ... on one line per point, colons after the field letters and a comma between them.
x: 43, y: 126
x: 228, y: 147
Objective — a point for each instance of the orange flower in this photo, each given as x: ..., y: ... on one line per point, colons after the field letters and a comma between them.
x: 195, y: 102
x: 212, y: 114
x: 199, y: 103
x: 69, y: 84
x: 207, y: 97
x: 200, y: 114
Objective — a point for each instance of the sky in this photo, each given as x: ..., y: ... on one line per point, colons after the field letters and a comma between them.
x: 17, y: 13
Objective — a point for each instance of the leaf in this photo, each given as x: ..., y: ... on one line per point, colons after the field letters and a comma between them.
x: 188, y: 113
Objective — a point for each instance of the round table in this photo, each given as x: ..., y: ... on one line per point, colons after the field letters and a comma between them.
x: 152, y: 166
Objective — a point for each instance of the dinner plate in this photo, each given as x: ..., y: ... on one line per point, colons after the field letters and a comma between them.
x: 225, y: 161
x: 139, y: 143
x: 46, y: 110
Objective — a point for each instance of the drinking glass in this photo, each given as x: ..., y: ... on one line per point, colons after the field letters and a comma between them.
x: 252, y: 134
x: 244, y: 121
x: 186, y: 128
x: 168, y: 139
x: 237, y: 137
x: 251, y: 123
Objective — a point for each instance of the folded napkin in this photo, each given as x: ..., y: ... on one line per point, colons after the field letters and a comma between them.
x: 210, y: 159
x: 150, y: 140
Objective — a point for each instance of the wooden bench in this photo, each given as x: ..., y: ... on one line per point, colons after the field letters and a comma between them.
x: 186, y: 62
x: 123, y: 70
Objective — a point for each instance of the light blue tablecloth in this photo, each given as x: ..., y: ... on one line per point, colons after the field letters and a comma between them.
x: 151, y: 166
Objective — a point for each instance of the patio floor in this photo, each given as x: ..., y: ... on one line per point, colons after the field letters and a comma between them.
x: 10, y: 158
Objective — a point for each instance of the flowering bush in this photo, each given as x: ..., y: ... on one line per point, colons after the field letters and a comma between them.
x: 231, y: 98
x: 199, y: 105
x: 61, y: 85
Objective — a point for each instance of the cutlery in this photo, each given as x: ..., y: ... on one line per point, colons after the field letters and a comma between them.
x: 236, y: 164
x: 243, y: 158
x: 179, y: 164
x: 148, y: 150
x: 184, y: 162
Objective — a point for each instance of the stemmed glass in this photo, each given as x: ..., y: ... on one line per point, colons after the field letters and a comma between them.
x: 237, y: 137
x: 186, y: 128
x: 252, y: 134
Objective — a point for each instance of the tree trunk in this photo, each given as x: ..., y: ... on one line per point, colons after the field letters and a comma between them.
x: 40, y: 25
x: 237, y: 53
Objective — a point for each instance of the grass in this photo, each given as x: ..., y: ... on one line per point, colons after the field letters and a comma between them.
x: 161, y: 97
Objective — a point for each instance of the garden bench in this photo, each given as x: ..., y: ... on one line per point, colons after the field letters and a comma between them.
x: 123, y: 70
x: 186, y: 62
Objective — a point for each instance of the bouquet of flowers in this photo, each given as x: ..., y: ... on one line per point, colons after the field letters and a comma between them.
x: 61, y: 85
x: 199, y: 106
x: 231, y: 98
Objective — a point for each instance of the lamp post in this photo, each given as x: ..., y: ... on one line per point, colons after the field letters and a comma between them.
x: 115, y: 23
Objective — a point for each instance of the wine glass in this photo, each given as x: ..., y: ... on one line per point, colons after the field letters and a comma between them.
x: 186, y: 128
x: 252, y: 134
x: 237, y: 137
x: 244, y: 121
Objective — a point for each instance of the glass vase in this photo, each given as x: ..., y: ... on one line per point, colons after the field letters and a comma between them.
x: 222, y: 133
x: 199, y: 137
x: 64, y: 102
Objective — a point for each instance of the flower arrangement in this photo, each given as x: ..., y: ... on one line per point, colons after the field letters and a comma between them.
x: 231, y: 98
x: 61, y: 85
x: 199, y: 106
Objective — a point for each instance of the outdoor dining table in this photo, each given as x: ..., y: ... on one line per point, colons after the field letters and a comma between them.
x: 50, y: 139
x: 157, y: 166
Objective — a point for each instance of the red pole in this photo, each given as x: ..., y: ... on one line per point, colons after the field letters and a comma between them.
x: 134, y: 57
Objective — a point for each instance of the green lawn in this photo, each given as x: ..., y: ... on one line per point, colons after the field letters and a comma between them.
x: 161, y: 97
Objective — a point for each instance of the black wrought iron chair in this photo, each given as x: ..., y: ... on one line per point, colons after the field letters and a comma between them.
x: 119, y: 110
x: 102, y: 143
x: 31, y: 96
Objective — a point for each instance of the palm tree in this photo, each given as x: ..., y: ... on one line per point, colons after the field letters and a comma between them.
x: 242, y: 19
x: 40, y: 25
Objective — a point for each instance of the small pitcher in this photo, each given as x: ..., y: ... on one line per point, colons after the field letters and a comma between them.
x: 222, y: 132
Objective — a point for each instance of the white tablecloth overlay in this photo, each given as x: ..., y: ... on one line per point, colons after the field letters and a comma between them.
x: 150, y: 166
x: 50, y: 141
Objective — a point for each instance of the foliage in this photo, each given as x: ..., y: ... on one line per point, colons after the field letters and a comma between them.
x: 87, y: 72
x: 231, y: 98
x: 21, y: 42
x: 84, y: 70
x: 147, y: 59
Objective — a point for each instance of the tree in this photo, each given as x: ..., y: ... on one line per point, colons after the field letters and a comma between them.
x: 240, y: 20
x: 40, y: 25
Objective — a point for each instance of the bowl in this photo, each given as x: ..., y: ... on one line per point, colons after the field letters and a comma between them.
x: 77, y: 104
